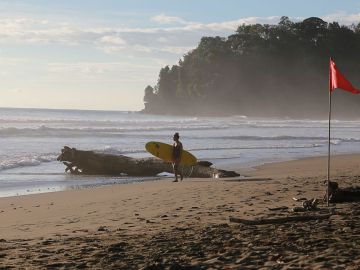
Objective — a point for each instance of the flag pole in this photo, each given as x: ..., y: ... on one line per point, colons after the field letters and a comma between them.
x: 328, y: 165
x: 329, y: 136
x: 336, y: 80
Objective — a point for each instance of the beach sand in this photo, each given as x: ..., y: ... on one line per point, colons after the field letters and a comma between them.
x: 185, y: 225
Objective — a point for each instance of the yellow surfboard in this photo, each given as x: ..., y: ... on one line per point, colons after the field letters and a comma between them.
x: 164, y: 152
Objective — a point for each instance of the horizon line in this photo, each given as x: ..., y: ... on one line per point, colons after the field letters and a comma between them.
x: 67, y: 109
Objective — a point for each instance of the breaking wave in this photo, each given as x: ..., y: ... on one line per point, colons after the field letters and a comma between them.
x: 285, y: 138
x: 25, y: 161
x: 44, y: 131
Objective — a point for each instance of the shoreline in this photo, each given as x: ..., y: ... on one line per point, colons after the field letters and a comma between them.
x: 245, y: 170
x: 161, y: 222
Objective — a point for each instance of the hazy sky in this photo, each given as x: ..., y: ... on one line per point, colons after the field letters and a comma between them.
x: 101, y: 54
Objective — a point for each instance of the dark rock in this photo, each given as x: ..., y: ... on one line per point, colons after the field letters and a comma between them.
x: 103, y: 229
x: 118, y: 247
x: 339, y: 195
x: 154, y: 267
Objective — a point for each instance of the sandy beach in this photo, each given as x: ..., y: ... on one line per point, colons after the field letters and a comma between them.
x: 185, y: 225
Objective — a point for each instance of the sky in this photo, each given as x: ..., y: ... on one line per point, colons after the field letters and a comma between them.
x: 101, y: 54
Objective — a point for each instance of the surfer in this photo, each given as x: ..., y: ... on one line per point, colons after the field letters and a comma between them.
x: 176, y: 156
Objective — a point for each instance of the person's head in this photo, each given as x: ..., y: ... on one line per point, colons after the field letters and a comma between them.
x: 176, y: 136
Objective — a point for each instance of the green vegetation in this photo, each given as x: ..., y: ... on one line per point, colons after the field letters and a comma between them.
x: 262, y: 70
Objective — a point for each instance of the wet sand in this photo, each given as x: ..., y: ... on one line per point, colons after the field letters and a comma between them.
x: 185, y: 225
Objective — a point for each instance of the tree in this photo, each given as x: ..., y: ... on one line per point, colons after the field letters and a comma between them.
x: 149, y: 94
x: 261, y: 69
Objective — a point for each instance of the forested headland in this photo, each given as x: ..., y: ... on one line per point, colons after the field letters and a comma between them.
x: 263, y: 70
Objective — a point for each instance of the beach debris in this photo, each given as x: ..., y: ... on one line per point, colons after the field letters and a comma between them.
x: 311, y: 204
x: 278, y: 208
x: 279, y: 220
x: 93, y: 163
x: 117, y: 247
x: 307, y: 205
x: 298, y: 209
x: 339, y: 195
x: 103, y: 229
x: 299, y: 199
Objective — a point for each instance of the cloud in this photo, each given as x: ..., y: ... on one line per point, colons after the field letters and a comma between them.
x: 94, y: 67
x: 30, y: 30
x: 83, y: 67
x: 113, y: 40
x: 12, y: 61
x: 112, y: 44
x: 15, y: 91
x: 343, y: 18
x: 177, y: 49
x: 163, y: 19
x: 174, y: 39
x: 107, y: 71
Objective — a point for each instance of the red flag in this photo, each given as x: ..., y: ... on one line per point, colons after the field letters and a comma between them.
x: 337, y: 80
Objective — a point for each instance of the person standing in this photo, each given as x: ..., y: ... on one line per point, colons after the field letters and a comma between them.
x: 176, y: 156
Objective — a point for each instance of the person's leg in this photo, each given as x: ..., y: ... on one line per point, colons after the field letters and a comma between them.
x: 175, y: 167
x: 181, y: 174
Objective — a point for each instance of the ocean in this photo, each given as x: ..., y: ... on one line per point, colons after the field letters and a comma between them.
x: 31, y: 140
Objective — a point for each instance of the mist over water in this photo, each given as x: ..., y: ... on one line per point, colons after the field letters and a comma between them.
x: 31, y: 139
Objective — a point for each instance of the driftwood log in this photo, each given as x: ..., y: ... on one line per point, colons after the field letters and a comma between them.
x: 279, y: 220
x: 90, y: 162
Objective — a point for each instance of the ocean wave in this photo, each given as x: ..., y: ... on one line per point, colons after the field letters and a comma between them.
x: 44, y: 131
x: 284, y: 138
x: 100, y: 122
x: 115, y: 151
x: 312, y: 145
x: 25, y: 161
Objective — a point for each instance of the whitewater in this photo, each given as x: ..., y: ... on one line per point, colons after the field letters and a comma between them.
x: 31, y: 140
